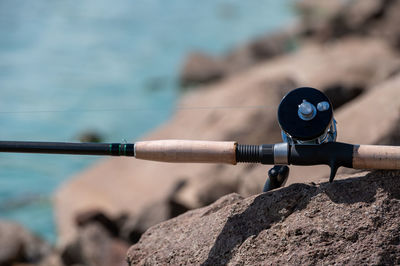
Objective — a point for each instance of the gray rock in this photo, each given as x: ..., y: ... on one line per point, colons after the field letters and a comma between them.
x: 135, y: 225
x: 18, y: 245
x: 95, y: 246
x: 351, y: 221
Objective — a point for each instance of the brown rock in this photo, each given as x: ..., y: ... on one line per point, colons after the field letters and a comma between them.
x: 387, y: 27
x: 52, y: 260
x: 17, y: 245
x: 316, y: 15
x: 200, y: 68
x: 261, y: 49
x: 330, y: 20
x: 352, y: 221
x: 135, y: 225
x: 96, y: 216
x: 324, y: 21
x: 95, y: 246
x: 271, y: 45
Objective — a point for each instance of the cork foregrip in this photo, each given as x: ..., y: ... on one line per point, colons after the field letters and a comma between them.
x: 187, y: 151
x: 376, y: 157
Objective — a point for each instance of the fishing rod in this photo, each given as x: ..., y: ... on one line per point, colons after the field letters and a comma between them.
x: 308, y: 128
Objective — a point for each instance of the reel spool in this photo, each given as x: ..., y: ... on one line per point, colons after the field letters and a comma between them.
x: 305, y: 116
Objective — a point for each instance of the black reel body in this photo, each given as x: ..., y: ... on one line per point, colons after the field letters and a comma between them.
x: 305, y: 116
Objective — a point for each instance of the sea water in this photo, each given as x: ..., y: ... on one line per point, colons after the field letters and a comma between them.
x: 109, y: 66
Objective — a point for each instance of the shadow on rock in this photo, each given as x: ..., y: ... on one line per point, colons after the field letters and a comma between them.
x: 266, y: 210
x: 270, y: 208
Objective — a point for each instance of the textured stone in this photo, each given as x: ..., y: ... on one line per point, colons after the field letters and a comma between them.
x: 351, y: 221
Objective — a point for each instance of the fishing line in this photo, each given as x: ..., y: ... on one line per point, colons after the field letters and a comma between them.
x: 139, y: 109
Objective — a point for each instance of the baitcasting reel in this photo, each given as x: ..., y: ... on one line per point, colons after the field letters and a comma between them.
x: 305, y: 116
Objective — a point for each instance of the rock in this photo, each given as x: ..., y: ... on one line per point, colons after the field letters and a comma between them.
x: 96, y: 216
x: 95, y: 246
x: 245, y: 111
x: 135, y: 225
x: 323, y: 21
x: 259, y: 50
x: 271, y: 45
x: 17, y: 245
x: 52, y: 260
x: 387, y: 27
x: 329, y: 20
x: 316, y: 17
x: 351, y: 221
x: 89, y: 136
x: 200, y: 68
x: 341, y: 94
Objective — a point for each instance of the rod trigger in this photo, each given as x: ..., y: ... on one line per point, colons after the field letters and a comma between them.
x: 334, y: 167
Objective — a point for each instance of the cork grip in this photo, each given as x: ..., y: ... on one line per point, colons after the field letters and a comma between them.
x: 187, y: 151
x: 376, y: 157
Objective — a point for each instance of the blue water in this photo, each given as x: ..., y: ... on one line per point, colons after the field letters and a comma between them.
x: 108, y: 66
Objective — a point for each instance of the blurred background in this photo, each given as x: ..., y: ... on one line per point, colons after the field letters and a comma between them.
x: 100, y: 70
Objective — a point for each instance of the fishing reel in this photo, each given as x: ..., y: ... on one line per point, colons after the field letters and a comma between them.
x: 305, y: 116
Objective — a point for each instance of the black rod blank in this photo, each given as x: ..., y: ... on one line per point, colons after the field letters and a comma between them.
x: 115, y: 149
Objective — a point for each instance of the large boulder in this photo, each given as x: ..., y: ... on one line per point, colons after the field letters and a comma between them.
x: 351, y: 221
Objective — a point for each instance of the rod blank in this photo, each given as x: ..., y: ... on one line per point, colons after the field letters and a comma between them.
x: 67, y: 148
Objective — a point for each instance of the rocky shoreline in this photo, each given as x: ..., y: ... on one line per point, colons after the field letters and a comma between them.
x: 349, y: 50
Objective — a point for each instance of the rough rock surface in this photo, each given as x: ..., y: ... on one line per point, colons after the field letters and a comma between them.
x: 351, y: 221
